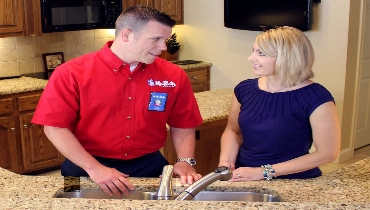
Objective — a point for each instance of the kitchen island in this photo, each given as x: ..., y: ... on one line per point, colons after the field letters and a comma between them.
x: 347, y: 188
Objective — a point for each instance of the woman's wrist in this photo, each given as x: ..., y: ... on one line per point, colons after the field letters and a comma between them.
x: 268, y: 172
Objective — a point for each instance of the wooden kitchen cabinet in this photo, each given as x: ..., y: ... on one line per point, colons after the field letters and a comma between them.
x: 199, y: 78
x: 174, y: 8
x: 20, y: 18
x: 128, y: 3
x: 207, y: 146
x: 24, y: 146
x: 8, y: 153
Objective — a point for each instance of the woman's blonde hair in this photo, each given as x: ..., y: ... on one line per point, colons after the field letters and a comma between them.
x: 293, y: 52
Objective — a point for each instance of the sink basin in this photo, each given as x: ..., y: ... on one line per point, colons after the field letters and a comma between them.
x: 99, y: 194
x: 202, y: 196
x: 235, y: 196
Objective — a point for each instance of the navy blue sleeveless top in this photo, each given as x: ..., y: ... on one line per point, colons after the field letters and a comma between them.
x: 276, y: 126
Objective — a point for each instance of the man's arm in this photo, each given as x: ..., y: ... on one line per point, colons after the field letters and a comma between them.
x: 109, y: 179
x: 184, y: 143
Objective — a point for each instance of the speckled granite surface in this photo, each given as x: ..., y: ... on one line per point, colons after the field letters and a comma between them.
x: 347, y: 188
x: 22, y: 84
x: 213, y: 105
x: 196, y: 65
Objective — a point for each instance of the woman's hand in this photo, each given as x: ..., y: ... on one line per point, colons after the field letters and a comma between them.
x: 247, y: 174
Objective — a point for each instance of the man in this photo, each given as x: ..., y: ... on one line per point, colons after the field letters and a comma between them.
x: 98, y: 109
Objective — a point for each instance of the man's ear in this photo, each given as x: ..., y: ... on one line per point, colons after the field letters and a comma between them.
x: 125, y: 33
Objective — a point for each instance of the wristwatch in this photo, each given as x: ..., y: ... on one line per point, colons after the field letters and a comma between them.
x: 191, y: 161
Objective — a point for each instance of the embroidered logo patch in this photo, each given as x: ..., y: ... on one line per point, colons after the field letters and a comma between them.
x: 152, y: 83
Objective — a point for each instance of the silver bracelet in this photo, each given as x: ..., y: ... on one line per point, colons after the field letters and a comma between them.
x: 268, y: 172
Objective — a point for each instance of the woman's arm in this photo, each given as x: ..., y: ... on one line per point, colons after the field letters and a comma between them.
x: 231, y: 139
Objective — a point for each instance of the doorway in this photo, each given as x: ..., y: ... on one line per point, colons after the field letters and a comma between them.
x: 362, y: 129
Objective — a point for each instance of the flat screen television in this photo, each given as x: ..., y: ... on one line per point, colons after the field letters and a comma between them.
x: 260, y: 15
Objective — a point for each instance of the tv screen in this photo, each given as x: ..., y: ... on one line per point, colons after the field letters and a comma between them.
x: 266, y: 14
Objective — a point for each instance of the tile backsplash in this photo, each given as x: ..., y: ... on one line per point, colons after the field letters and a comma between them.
x: 23, y: 55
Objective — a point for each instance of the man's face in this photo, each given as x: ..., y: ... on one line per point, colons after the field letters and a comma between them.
x: 148, y: 44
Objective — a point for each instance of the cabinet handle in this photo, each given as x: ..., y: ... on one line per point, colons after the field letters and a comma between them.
x: 28, y: 126
x: 12, y: 129
x: 195, y: 77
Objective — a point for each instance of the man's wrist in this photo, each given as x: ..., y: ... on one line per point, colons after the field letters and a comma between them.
x: 190, y: 161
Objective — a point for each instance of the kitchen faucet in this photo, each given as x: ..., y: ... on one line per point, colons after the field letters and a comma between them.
x: 165, y: 188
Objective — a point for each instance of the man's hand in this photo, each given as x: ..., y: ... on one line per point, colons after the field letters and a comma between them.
x: 111, y: 180
x: 186, y: 172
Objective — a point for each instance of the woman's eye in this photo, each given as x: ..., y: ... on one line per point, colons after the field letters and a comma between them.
x: 156, y: 39
x: 261, y: 53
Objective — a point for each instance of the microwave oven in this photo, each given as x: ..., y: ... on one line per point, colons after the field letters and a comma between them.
x: 73, y: 15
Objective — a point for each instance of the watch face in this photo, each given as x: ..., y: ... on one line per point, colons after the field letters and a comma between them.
x: 192, y: 162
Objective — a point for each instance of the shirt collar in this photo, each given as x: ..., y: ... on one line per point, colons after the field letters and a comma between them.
x: 114, y: 62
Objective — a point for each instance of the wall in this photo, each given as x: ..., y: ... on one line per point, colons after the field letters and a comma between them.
x: 22, y: 55
x: 204, y: 37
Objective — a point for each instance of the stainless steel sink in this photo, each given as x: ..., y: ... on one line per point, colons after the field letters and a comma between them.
x: 235, y: 196
x: 99, y: 194
x: 202, y: 196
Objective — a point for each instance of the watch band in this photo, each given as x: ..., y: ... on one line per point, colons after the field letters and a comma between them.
x: 191, y: 161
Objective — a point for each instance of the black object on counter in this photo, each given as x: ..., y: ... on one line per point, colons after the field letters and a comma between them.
x: 9, y: 77
x: 186, y: 62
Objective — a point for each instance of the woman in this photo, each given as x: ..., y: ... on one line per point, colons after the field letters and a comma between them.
x: 275, y: 118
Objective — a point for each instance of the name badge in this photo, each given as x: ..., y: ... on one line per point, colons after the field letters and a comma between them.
x: 157, y: 101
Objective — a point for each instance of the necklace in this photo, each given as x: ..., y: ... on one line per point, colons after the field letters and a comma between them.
x: 275, y: 90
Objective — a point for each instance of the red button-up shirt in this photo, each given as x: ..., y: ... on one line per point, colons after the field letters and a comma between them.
x: 106, y: 105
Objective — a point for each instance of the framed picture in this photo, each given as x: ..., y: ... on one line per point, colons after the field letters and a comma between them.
x: 51, y: 61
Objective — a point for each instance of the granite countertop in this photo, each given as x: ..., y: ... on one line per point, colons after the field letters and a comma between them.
x: 24, y: 83
x: 21, y: 84
x: 347, y: 188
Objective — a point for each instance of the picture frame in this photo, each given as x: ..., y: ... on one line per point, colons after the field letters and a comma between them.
x: 52, y: 61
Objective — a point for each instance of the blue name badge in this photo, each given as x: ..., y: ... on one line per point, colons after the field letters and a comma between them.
x: 157, y: 101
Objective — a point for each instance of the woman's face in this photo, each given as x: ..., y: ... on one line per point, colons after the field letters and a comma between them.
x: 263, y: 65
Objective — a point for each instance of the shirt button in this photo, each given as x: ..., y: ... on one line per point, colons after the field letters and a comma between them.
x: 128, y: 117
x: 129, y: 78
x: 115, y: 70
x: 129, y: 98
x: 127, y: 137
x: 126, y: 154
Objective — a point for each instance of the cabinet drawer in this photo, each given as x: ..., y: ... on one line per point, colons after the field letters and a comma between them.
x: 27, y: 103
x: 6, y: 106
x: 197, y: 76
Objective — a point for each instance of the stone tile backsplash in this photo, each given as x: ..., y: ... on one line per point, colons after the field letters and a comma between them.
x: 23, y: 55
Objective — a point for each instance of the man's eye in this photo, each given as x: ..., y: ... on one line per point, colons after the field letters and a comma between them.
x: 155, y: 39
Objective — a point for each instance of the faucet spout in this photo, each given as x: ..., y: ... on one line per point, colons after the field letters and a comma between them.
x: 165, y: 186
x: 221, y: 173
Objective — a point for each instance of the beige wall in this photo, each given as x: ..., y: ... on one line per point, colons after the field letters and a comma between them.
x: 22, y: 55
x: 203, y: 37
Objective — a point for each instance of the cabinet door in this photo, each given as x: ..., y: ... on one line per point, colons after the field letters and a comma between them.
x: 207, y: 146
x: 8, y: 153
x: 173, y: 8
x: 38, y: 152
x: 20, y: 18
x: 199, y: 79
x: 11, y: 17
x: 128, y: 3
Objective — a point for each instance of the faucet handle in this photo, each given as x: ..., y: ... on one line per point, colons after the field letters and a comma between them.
x: 165, y: 186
